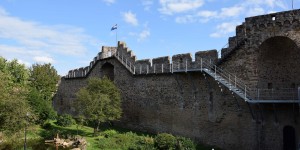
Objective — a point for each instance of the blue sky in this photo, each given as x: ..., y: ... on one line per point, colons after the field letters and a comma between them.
x: 69, y: 33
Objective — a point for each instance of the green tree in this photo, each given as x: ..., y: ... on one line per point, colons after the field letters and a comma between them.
x: 99, y: 101
x: 41, y: 107
x: 17, y: 73
x: 13, y: 92
x: 44, y: 79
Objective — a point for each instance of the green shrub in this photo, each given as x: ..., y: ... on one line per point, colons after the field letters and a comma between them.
x: 65, y: 120
x: 109, y: 133
x: 117, y: 141
x: 145, y: 142
x: 185, y: 144
x: 165, y: 141
x: 111, y: 139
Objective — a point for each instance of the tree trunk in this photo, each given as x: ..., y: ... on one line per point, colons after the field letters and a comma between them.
x: 96, y: 127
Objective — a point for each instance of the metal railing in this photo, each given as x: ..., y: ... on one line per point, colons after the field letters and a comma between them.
x: 125, y: 62
x: 276, y: 94
x: 231, y: 81
x: 228, y: 79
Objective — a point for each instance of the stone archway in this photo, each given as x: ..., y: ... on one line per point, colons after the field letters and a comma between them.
x: 289, y: 138
x: 278, y: 63
x: 108, y: 70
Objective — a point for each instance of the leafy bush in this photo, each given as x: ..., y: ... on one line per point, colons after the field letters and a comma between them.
x: 65, y: 120
x: 165, y: 141
x: 185, y: 143
x: 146, y: 142
x: 128, y: 140
x: 41, y: 107
x: 116, y: 141
x: 109, y: 133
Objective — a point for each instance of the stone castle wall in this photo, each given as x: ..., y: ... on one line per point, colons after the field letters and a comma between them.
x: 158, y: 99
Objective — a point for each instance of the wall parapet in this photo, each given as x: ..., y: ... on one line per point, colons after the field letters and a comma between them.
x: 146, y: 66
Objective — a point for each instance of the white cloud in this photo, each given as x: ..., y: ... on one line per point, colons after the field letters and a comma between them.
x: 43, y: 59
x: 255, y: 11
x: 202, y: 16
x: 30, y: 41
x: 147, y: 4
x: 19, y: 50
x: 130, y: 18
x: 231, y: 11
x: 268, y: 3
x: 23, y: 54
x: 186, y: 19
x: 207, y: 14
x: 2, y: 11
x: 109, y: 2
x: 143, y: 35
x: 66, y: 40
x: 26, y: 63
x: 244, y: 8
x: 170, y: 7
x: 224, y: 28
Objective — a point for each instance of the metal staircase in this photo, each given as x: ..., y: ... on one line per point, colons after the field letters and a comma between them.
x: 230, y: 86
x: 238, y: 87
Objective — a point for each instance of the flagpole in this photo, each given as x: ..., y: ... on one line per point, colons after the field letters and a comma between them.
x: 115, y: 27
x: 117, y: 37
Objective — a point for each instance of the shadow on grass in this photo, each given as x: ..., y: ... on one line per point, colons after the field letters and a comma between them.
x: 107, y: 126
x: 85, y: 131
x: 64, y: 132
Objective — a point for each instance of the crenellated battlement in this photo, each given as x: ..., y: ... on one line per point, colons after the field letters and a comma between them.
x: 253, y: 29
x: 145, y: 66
x: 161, y: 64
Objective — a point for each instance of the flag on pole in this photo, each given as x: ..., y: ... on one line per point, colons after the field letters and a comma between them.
x: 114, y: 27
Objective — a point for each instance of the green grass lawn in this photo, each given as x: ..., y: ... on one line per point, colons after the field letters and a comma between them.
x: 108, y: 138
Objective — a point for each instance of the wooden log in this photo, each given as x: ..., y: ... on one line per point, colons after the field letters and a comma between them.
x: 49, y: 141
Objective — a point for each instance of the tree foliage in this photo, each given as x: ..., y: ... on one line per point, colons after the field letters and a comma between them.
x: 99, y: 101
x: 13, y: 92
x: 17, y: 74
x: 25, y: 91
x: 65, y: 120
x: 44, y: 79
x: 41, y: 107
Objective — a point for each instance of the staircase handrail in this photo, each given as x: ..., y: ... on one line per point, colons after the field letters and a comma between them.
x: 283, y: 93
x: 234, y: 82
x: 130, y: 67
